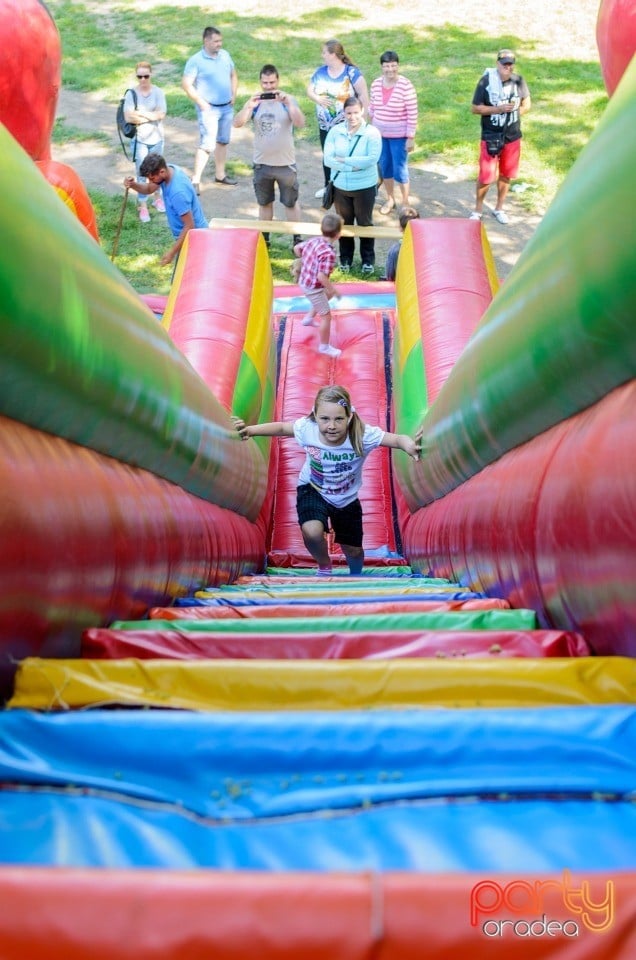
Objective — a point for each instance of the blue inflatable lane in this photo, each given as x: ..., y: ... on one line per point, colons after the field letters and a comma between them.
x: 65, y: 829
x: 247, y: 766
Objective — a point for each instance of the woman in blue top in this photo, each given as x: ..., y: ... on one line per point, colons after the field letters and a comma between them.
x: 352, y: 151
x: 331, y: 84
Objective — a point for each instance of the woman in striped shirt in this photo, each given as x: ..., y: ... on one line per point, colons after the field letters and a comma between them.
x: 393, y: 110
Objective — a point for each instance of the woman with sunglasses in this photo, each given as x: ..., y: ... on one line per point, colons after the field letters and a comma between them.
x: 147, y: 114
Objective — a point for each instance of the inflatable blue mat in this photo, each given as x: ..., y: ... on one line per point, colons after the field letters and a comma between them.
x: 347, y: 301
x: 426, y: 790
x: 257, y: 765
x: 68, y: 829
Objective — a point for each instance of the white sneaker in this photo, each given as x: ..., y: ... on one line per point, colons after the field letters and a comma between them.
x: 159, y: 205
x: 500, y: 216
x: 308, y: 320
x: 328, y: 350
x: 367, y: 268
x: 319, y: 194
x: 475, y: 216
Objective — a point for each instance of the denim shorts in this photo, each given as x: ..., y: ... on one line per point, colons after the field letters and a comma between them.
x: 215, y: 126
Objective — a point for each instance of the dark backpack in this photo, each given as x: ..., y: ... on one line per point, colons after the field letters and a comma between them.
x: 126, y: 131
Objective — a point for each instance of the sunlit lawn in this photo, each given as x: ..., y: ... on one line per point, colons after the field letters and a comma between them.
x: 442, y: 59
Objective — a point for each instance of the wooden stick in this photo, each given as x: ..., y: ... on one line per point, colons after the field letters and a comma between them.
x: 119, y: 225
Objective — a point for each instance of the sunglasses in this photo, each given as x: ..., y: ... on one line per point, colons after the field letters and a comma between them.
x: 143, y: 76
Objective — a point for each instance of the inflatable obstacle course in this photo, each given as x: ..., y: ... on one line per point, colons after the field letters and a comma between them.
x: 315, y: 803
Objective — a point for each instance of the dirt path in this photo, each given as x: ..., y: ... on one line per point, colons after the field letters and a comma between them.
x: 438, y: 190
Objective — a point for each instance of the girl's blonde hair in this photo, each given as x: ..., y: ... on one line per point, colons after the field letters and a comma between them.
x: 338, y: 394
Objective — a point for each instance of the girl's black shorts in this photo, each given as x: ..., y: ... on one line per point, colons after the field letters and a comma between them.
x: 346, y: 522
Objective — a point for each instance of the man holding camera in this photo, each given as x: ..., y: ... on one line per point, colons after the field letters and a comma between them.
x: 275, y: 115
x: 500, y: 99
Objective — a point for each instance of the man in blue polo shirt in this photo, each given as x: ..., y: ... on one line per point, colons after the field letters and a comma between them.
x: 211, y: 82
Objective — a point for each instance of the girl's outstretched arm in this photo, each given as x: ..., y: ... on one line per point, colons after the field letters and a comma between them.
x: 276, y: 429
x: 401, y: 441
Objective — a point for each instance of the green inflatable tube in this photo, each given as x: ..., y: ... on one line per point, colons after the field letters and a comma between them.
x: 83, y: 358
x: 456, y: 620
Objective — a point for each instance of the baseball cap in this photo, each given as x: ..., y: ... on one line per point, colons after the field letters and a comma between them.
x: 506, y: 56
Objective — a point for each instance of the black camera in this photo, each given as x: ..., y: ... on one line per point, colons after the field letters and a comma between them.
x: 269, y: 95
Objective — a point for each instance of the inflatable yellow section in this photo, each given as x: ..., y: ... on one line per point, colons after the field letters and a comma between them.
x: 319, y: 685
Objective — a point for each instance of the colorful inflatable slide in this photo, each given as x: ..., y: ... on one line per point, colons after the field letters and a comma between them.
x: 205, y: 751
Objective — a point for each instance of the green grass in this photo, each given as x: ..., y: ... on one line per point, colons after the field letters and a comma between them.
x: 137, y: 246
x: 443, y: 62
x: 64, y: 133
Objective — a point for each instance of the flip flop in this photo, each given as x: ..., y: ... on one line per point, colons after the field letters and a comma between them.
x: 226, y: 180
x: 387, y: 207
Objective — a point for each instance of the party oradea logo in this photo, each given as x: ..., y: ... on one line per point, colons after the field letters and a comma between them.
x: 542, y: 908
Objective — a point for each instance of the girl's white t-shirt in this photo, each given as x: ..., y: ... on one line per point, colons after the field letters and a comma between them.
x: 334, y: 471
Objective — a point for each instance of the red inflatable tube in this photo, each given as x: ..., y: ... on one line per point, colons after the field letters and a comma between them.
x: 93, y: 540
x: 550, y: 526
x: 308, y: 576
x: 155, y: 302
x: 453, y: 274
x: 104, y: 644
x: 586, y: 527
x: 207, y: 312
x: 70, y: 188
x: 291, y: 561
x: 68, y: 914
x: 615, y: 39
x: 303, y: 371
x: 30, y: 77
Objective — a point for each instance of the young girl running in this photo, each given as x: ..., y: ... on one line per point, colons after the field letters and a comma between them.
x: 336, y: 442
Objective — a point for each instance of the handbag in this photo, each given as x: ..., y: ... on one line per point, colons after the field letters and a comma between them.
x: 495, y: 144
x: 125, y: 129
x: 329, y: 193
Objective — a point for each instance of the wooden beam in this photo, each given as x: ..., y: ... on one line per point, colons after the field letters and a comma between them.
x: 305, y: 228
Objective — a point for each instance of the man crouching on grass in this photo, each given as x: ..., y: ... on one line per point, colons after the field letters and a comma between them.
x: 183, y: 209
